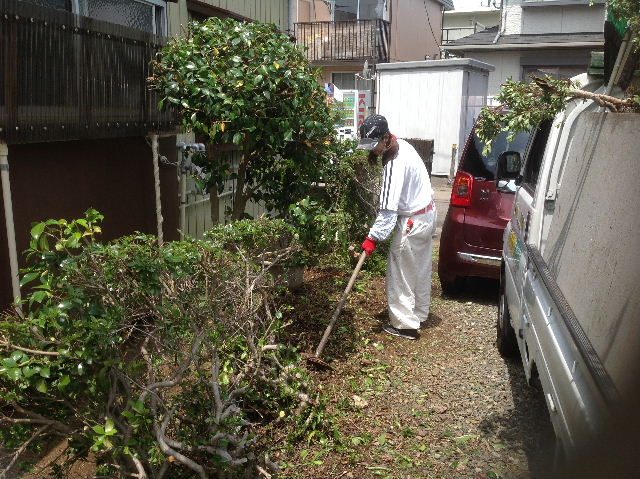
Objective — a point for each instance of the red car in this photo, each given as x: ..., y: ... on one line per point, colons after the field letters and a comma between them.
x: 471, y: 240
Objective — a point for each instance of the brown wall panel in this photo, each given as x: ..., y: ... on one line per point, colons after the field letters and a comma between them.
x: 63, y: 180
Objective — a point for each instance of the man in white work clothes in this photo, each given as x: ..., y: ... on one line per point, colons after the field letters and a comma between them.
x: 407, y: 209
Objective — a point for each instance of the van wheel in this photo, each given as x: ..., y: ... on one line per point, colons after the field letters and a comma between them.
x: 505, y: 335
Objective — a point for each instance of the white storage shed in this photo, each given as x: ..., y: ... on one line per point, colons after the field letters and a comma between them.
x: 433, y: 99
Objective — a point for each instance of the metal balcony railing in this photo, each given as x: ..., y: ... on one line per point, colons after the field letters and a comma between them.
x: 356, y: 40
x: 451, y: 34
x: 64, y: 76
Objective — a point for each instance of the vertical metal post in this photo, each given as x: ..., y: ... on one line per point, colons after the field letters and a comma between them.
x: 452, y: 169
x: 156, y: 182
x: 183, y: 193
x: 8, y: 216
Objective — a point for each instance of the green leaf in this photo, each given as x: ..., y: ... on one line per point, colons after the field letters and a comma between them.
x: 14, y: 373
x: 42, y: 386
x: 27, y: 278
x: 38, y: 297
x: 37, y: 230
x: 98, y: 429
x: 466, y: 438
x: 64, y: 381
x: 109, y: 428
x: 45, y: 372
x: 18, y: 355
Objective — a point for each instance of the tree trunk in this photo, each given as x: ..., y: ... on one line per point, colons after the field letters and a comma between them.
x: 214, y: 203
x: 240, y: 196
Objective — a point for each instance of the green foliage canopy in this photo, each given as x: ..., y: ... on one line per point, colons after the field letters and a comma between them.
x: 522, y: 106
x: 248, y: 84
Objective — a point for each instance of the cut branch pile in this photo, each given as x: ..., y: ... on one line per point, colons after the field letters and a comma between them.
x: 159, y: 362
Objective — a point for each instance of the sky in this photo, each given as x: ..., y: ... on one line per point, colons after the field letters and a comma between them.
x: 469, y: 4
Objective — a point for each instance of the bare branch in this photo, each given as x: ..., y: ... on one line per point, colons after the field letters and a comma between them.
x: 21, y: 449
x: 7, y: 344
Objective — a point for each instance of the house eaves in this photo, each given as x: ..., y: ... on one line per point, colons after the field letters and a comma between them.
x: 484, y: 41
x: 447, y: 4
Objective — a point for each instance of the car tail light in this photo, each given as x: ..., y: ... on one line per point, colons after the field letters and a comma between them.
x: 461, y: 191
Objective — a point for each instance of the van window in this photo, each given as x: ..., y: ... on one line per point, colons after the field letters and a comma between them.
x: 534, y: 156
x: 480, y: 166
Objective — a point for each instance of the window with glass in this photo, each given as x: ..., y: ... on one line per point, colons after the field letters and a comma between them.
x: 485, y: 166
x: 534, y: 156
x: 344, y: 80
x: 146, y: 15
x: 555, y: 71
x: 345, y: 10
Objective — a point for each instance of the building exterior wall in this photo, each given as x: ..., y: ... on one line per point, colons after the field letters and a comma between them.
x: 269, y: 11
x: 526, y: 17
x: 507, y: 65
x: 563, y: 19
x: 416, y: 30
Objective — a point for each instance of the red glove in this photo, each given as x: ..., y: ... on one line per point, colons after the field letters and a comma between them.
x: 369, y: 246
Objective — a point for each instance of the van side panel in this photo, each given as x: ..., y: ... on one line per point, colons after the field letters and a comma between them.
x: 593, y: 246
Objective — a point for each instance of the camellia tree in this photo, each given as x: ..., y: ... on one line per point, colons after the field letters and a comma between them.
x: 249, y: 85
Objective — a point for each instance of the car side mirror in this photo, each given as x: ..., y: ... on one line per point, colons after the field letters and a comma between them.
x: 509, y: 165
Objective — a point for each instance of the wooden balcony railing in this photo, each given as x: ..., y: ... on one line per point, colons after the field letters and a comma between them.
x: 356, y: 40
x: 64, y: 76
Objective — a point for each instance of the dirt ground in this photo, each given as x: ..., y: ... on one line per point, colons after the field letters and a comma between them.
x: 447, y: 405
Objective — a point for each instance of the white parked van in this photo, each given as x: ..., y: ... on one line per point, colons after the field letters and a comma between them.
x: 570, y: 274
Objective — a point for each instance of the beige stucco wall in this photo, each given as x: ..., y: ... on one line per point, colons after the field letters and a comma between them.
x: 567, y: 19
x: 411, y: 37
x: 552, y: 18
x: 311, y: 11
x: 270, y: 11
x: 507, y: 65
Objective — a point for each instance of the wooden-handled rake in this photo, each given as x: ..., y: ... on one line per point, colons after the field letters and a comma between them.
x: 315, y: 358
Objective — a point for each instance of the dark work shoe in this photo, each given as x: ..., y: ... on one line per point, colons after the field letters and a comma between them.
x: 403, y: 333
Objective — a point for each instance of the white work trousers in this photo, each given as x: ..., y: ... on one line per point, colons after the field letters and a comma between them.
x: 409, y: 270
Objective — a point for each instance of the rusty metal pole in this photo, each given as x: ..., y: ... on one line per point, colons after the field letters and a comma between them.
x: 8, y: 215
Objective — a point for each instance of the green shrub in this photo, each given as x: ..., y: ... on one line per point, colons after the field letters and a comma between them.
x: 150, y: 357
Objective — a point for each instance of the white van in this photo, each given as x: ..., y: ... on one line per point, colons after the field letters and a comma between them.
x: 570, y: 274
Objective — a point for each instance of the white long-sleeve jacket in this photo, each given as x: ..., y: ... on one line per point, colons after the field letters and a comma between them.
x: 406, y: 188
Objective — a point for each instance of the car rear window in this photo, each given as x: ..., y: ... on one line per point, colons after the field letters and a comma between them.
x: 481, y: 166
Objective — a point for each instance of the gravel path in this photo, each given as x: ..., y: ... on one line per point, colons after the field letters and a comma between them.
x: 446, y: 405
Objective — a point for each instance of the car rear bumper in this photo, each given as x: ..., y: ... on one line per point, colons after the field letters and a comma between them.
x: 479, y: 258
x: 458, y: 258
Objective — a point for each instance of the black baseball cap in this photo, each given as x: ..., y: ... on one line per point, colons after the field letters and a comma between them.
x: 373, y: 128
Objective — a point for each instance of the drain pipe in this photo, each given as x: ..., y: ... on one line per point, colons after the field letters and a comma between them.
x: 8, y: 216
